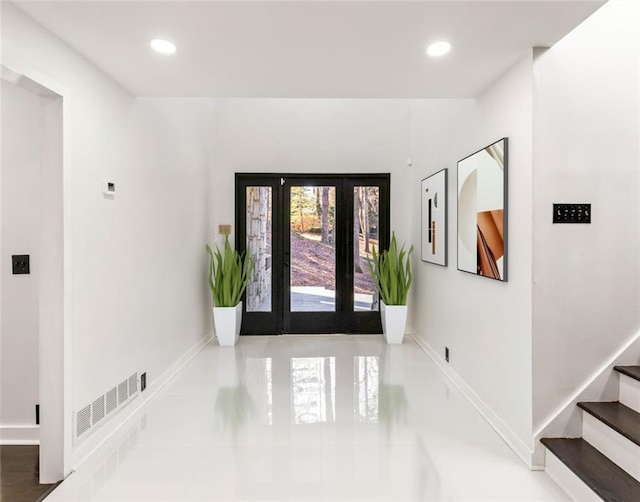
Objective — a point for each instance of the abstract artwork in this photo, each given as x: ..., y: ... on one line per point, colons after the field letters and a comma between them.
x: 434, y: 218
x: 482, y: 212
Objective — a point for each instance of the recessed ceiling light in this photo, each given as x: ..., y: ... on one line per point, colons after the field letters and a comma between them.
x: 163, y: 46
x: 437, y: 49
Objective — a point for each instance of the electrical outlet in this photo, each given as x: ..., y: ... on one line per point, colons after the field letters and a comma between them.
x: 108, y: 188
x: 143, y: 381
x: 446, y: 354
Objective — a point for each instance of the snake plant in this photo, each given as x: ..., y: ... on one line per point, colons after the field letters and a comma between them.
x: 229, y: 274
x: 391, y: 273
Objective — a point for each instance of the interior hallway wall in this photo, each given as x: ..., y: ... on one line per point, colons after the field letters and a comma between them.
x: 21, y: 187
x: 335, y: 136
x: 486, y: 324
x: 138, y: 264
x: 312, y: 136
x: 586, y: 135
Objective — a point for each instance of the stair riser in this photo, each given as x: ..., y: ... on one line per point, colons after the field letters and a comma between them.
x: 570, y: 483
x: 630, y: 392
x: 616, y: 447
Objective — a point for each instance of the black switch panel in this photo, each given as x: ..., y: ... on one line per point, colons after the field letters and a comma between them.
x: 572, y: 213
x: 20, y: 263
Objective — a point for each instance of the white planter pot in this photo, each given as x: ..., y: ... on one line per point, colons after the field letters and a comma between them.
x: 394, y: 322
x: 227, y: 321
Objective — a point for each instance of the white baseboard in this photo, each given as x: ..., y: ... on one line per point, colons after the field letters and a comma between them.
x: 19, y: 434
x: 89, y: 446
x: 507, y: 434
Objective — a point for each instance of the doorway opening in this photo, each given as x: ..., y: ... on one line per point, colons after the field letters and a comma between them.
x: 32, y: 296
x: 310, y: 237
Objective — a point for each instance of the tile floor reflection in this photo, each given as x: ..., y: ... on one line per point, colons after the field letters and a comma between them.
x: 335, y: 418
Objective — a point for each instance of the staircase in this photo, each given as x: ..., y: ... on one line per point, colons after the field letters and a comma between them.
x: 604, y: 464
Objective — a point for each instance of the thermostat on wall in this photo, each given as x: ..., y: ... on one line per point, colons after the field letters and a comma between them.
x: 108, y: 187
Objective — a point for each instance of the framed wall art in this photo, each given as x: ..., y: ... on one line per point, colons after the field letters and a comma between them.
x: 482, y: 212
x: 434, y: 218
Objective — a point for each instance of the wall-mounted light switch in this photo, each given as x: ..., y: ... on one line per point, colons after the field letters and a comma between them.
x: 572, y: 213
x: 224, y: 229
x: 20, y: 264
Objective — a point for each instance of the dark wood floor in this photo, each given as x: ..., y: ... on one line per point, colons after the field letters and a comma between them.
x: 19, y: 475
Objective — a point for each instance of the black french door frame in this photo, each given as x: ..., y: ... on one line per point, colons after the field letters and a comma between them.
x: 281, y: 320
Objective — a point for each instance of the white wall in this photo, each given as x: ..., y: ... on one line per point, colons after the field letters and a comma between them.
x: 137, y: 262
x: 486, y: 324
x: 21, y: 186
x: 586, y: 135
x: 148, y: 241
x: 312, y: 136
x: 339, y: 136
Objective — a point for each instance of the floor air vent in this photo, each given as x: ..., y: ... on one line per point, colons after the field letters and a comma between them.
x: 133, y: 384
x: 123, y: 392
x: 100, y: 408
x: 83, y: 420
x: 97, y: 410
x: 112, y: 399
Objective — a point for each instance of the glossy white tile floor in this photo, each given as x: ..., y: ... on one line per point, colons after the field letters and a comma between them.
x: 307, y: 418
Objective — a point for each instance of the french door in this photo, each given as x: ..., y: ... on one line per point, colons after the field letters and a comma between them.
x: 310, y: 236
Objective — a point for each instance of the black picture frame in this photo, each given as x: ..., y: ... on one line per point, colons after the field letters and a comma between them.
x: 482, y: 194
x: 434, y: 218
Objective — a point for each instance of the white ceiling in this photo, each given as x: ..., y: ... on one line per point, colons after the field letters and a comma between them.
x: 314, y: 49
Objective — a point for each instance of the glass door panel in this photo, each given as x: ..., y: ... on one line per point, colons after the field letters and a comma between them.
x: 366, y: 212
x: 259, y: 238
x: 259, y: 233
x: 312, y: 249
